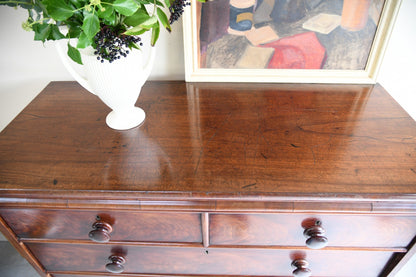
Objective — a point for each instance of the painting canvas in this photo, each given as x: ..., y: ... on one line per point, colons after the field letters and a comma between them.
x: 286, y: 40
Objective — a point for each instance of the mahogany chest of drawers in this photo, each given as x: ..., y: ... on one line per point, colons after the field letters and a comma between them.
x: 220, y: 180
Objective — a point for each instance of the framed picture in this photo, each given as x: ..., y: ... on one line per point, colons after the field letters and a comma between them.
x: 300, y: 41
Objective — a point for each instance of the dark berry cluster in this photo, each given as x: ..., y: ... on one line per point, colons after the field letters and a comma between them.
x: 176, y: 9
x: 111, y: 44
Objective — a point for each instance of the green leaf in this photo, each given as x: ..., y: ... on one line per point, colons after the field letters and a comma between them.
x: 107, y: 13
x: 42, y: 31
x: 59, y: 9
x: 40, y: 7
x: 135, y: 46
x: 155, y: 34
x: 163, y: 19
x: 91, y: 24
x: 74, y: 54
x: 145, y: 2
x: 111, y: 21
x: 135, y: 31
x: 125, y: 7
x: 149, y: 23
x: 143, y: 27
x: 83, y: 41
x: 74, y: 32
x: 77, y: 4
x: 55, y: 33
x: 167, y: 3
x: 159, y: 3
x: 137, y: 18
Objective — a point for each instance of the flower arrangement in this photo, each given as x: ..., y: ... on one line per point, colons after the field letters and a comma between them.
x: 111, y: 27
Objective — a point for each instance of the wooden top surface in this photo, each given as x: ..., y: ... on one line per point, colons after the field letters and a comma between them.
x: 215, y: 139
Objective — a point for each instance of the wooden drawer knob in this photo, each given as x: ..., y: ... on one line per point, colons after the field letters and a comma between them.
x: 101, y: 231
x: 301, y: 268
x: 316, y: 236
x: 116, y: 265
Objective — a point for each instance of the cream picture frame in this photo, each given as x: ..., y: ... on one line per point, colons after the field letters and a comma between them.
x: 195, y: 73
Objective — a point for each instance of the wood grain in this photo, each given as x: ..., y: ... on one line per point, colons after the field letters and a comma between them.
x: 75, y: 225
x: 252, y: 139
x: 62, y: 257
x: 255, y: 160
x: 287, y: 229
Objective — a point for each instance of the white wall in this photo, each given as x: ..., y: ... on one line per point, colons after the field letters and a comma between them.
x: 27, y: 66
x: 398, y: 71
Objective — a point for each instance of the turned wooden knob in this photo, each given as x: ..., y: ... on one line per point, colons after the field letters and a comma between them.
x: 301, y: 268
x: 101, y: 231
x: 116, y: 265
x: 316, y: 236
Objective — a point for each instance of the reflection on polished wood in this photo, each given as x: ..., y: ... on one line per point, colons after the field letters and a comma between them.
x: 234, y: 139
x: 220, y: 179
x: 127, y: 226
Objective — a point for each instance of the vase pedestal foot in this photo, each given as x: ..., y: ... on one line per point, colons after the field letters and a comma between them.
x: 125, y: 120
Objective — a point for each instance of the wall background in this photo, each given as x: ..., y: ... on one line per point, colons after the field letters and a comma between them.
x: 26, y: 66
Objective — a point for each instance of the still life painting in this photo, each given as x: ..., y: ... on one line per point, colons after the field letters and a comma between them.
x: 273, y: 38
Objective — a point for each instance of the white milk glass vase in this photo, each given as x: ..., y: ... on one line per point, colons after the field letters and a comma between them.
x: 117, y: 84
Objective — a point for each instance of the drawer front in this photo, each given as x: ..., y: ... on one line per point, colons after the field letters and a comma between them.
x: 287, y: 229
x: 218, y: 261
x: 81, y: 275
x: 126, y: 226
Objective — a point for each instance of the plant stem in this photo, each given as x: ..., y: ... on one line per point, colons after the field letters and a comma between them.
x: 107, y: 3
x: 39, y: 21
x: 78, y: 9
x: 17, y: 3
x: 154, y: 7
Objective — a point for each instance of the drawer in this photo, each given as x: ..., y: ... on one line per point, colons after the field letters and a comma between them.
x: 287, y: 229
x: 126, y: 226
x: 93, y: 258
x: 83, y: 275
